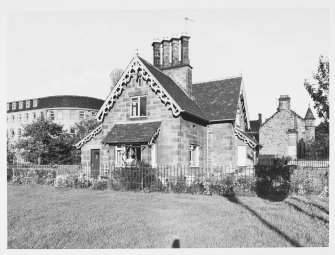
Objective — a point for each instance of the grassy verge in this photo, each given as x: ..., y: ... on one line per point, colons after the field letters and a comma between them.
x: 46, y: 217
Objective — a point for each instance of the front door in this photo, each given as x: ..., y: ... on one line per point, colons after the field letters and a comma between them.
x: 95, y: 163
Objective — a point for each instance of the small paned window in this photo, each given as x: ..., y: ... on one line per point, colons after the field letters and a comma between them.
x: 28, y: 104
x: 26, y: 117
x: 19, y: 118
x: 20, y: 105
x: 13, y: 119
x: 14, y: 106
x: 59, y: 114
x: 81, y: 115
x: 51, y: 115
x: 35, y: 103
x: 138, y: 106
x: 72, y: 115
x: 194, y: 155
x: 34, y: 115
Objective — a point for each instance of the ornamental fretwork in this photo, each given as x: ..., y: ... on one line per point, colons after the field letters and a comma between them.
x: 245, y: 139
x: 89, y: 137
x: 153, y: 138
x: 139, y: 71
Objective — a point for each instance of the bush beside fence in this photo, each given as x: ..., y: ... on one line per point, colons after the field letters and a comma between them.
x: 262, y: 180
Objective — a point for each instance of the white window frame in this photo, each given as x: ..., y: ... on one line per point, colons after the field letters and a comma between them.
x: 28, y: 104
x: 14, y: 106
x: 194, y: 155
x: 20, y: 104
x: 8, y: 107
x: 137, y: 99
x: 35, y: 103
x: 241, y: 159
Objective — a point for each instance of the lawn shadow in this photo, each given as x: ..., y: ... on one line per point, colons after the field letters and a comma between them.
x: 176, y: 243
x: 321, y: 208
x: 299, y: 209
x: 235, y: 200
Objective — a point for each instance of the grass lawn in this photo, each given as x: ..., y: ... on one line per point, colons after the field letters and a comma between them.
x: 47, y: 217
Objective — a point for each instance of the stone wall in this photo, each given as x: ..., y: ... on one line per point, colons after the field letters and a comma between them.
x: 273, y: 133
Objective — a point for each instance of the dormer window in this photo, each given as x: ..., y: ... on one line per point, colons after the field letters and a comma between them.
x: 28, y: 104
x: 20, y: 105
x: 138, y: 106
x: 35, y: 103
x: 14, y: 106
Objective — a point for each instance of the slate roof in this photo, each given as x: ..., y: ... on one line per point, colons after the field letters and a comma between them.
x: 59, y: 101
x: 309, y: 114
x: 218, y: 99
x: 131, y: 133
x: 178, y: 94
x: 254, y: 126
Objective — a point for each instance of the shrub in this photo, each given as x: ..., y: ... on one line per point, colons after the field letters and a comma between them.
x: 157, y: 186
x: 179, y: 185
x: 100, y: 185
x: 197, y: 188
x: 9, y: 173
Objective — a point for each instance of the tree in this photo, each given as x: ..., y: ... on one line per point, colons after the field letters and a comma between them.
x: 319, y: 91
x: 84, y: 127
x: 10, y: 152
x: 38, y: 139
x: 115, y: 76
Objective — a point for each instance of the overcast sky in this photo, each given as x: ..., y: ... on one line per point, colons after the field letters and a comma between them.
x: 73, y: 52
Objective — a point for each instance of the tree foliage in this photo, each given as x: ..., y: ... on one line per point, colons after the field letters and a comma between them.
x: 115, y: 76
x: 319, y: 91
x: 84, y: 127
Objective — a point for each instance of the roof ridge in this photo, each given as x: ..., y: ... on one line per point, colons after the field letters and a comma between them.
x: 219, y: 79
x: 55, y: 96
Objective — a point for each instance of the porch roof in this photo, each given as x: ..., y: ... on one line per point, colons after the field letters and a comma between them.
x: 133, y: 133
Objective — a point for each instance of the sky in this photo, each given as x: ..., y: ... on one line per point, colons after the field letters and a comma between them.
x: 72, y: 52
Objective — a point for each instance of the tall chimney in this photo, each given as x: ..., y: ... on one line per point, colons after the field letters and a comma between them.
x: 184, y: 50
x: 175, y: 50
x: 157, y: 52
x: 166, y: 52
x: 284, y: 103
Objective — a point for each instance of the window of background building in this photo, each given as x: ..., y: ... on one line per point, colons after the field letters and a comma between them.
x: 93, y: 114
x: 19, y: 118
x: 28, y: 104
x: 12, y: 133
x: 59, y: 114
x: 19, y: 133
x: 14, y: 106
x: 12, y: 118
x: 35, y: 103
x: 194, y: 155
x: 51, y: 115
x: 72, y: 115
x: 20, y: 105
x: 138, y: 106
x: 81, y: 115
x: 8, y: 106
x: 26, y: 117
x: 34, y: 115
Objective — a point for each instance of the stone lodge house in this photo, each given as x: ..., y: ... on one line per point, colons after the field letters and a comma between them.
x: 281, y: 134
x: 155, y: 113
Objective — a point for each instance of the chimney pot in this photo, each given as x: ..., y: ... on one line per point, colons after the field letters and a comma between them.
x: 175, y: 50
x: 166, y: 52
x: 157, y: 52
x: 284, y: 103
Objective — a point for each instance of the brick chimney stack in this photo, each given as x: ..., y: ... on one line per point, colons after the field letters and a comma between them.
x: 284, y: 103
x: 175, y: 50
x: 179, y: 70
x: 185, y: 49
x: 157, y: 52
x: 166, y: 52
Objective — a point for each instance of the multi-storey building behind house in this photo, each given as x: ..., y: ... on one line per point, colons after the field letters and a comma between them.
x: 64, y: 110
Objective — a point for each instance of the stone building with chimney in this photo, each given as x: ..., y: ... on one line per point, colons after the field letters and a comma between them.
x: 156, y: 113
x: 281, y: 134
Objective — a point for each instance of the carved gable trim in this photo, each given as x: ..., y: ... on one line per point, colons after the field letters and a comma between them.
x: 136, y: 67
x: 245, y: 139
